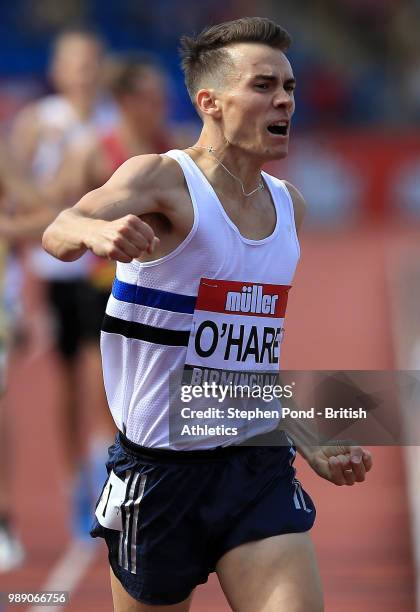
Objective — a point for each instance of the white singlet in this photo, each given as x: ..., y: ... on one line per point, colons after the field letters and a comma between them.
x: 215, y: 304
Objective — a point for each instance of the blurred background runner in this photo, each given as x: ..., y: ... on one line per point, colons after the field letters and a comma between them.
x: 43, y: 133
x: 139, y: 87
x: 23, y: 214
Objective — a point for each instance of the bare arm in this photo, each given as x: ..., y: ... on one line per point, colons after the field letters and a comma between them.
x: 341, y: 464
x: 35, y: 211
x: 106, y: 220
x: 17, y: 184
x: 336, y: 461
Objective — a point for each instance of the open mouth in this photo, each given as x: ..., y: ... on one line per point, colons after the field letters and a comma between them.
x: 279, y: 129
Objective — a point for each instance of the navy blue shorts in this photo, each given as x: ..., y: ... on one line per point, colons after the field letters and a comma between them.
x: 183, y: 510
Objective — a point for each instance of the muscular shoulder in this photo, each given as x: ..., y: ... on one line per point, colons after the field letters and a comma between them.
x: 153, y: 171
x: 143, y: 184
x: 157, y: 177
x: 299, y: 204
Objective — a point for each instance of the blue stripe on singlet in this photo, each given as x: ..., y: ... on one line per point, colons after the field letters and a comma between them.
x: 156, y: 298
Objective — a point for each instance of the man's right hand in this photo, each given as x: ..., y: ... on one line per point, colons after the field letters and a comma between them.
x: 123, y: 239
x: 107, y: 220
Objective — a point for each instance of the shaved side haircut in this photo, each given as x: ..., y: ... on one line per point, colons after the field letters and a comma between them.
x: 205, y: 56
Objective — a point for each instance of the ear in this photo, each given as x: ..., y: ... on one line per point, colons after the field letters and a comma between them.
x: 208, y: 102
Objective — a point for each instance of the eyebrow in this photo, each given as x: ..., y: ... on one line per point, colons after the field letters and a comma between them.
x: 272, y: 78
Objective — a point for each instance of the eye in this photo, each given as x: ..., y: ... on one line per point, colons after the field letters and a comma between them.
x: 262, y: 86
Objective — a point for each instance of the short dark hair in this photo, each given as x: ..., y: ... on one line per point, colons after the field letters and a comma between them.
x: 205, y: 54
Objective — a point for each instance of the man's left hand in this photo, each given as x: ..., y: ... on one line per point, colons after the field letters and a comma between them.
x: 341, y: 464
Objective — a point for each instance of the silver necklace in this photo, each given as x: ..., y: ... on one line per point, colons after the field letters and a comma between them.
x: 211, y: 150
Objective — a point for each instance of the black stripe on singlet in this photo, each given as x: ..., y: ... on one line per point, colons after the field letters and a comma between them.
x: 140, y: 331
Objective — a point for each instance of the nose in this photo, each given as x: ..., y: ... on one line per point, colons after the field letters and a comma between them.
x: 283, y: 99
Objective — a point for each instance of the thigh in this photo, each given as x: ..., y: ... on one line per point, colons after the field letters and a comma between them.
x: 277, y: 574
x: 123, y: 602
x: 156, y: 547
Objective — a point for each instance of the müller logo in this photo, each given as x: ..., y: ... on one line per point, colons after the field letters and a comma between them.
x: 251, y: 299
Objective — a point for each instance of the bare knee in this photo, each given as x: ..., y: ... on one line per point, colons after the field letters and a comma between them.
x: 123, y: 602
x: 285, y: 602
x: 278, y: 574
x: 312, y: 603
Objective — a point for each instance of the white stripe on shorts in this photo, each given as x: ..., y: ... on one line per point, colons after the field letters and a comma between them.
x: 301, y: 497
x: 128, y: 515
x: 120, y: 547
x: 133, y: 550
x: 295, y: 497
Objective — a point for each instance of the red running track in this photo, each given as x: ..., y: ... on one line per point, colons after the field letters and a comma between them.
x: 338, y: 318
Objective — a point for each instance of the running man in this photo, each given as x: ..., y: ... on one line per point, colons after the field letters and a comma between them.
x: 188, y: 229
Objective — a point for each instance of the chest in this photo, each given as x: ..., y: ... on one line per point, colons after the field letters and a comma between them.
x: 254, y: 219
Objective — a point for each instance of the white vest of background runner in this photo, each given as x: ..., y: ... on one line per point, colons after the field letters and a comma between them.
x: 61, y: 129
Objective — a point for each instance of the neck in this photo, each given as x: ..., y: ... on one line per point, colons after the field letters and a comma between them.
x: 228, y: 167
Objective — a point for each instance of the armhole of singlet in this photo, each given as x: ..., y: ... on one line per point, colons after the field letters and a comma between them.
x: 191, y: 233
x: 292, y: 214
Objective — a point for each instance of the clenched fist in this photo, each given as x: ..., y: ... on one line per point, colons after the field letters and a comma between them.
x: 123, y: 239
x: 341, y: 464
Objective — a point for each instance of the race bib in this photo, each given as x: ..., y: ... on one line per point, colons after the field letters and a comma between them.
x: 237, y: 326
x: 108, y: 511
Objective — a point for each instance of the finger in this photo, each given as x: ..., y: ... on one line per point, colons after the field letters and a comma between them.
x: 354, y: 457
x: 147, y: 231
x: 116, y: 254
x: 130, y: 249
x: 140, y: 234
x: 356, y: 454
x: 155, y: 243
x: 141, y: 239
x: 135, y: 223
x: 336, y: 471
x: 367, y: 460
x: 344, y: 461
x: 137, y: 240
x: 349, y: 477
x: 357, y: 463
x: 347, y: 469
x: 359, y: 470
